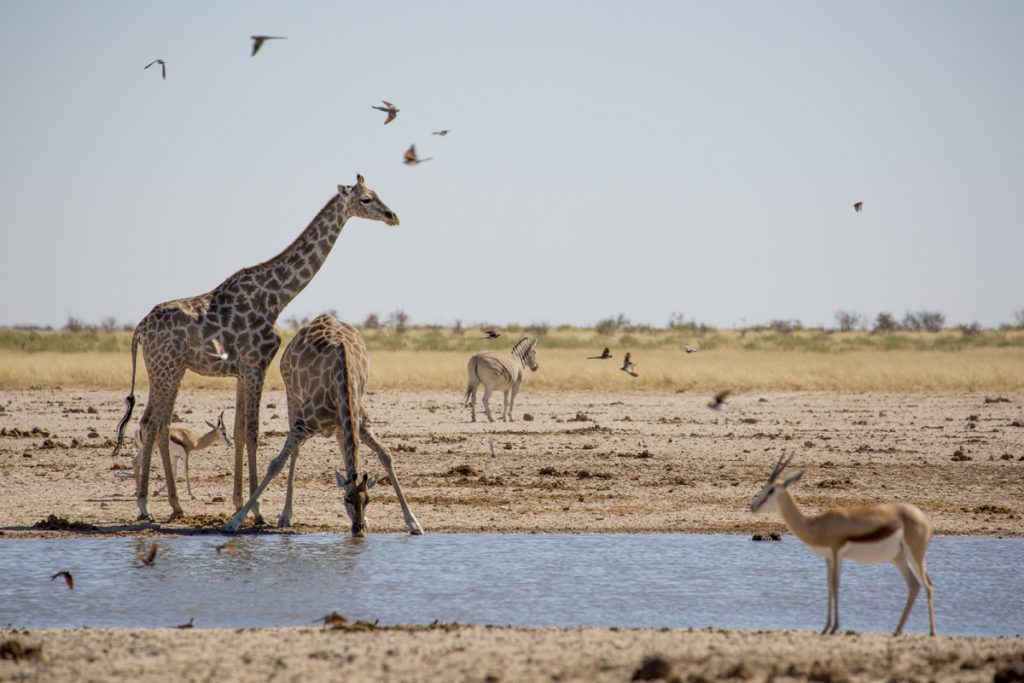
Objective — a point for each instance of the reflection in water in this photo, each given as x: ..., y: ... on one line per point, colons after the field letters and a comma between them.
x: 637, y: 580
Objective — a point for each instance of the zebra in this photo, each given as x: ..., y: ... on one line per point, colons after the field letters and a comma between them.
x: 500, y: 372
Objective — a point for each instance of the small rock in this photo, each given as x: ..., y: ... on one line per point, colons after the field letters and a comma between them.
x: 653, y: 668
x: 527, y: 417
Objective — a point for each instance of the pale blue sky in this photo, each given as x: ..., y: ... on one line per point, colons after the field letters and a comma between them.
x: 605, y: 157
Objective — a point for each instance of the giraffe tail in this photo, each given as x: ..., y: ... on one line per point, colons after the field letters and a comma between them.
x: 347, y: 415
x: 129, y: 400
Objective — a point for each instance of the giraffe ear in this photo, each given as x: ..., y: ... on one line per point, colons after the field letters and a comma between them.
x: 343, y: 190
x: 342, y: 481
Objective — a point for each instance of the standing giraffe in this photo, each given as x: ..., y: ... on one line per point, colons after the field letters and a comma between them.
x: 325, y: 370
x: 237, y: 321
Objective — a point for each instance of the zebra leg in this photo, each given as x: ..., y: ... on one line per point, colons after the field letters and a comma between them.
x: 487, y: 402
x: 512, y: 402
x: 506, y: 416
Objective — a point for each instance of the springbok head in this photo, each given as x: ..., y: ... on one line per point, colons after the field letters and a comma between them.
x: 768, y: 499
x: 364, y: 202
x: 526, y: 349
x: 357, y: 497
x: 222, y: 431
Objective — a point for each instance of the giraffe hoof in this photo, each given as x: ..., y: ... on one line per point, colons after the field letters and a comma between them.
x: 284, y: 523
x: 177, y: 514
x: 258, y: 521
x: 146, y: 517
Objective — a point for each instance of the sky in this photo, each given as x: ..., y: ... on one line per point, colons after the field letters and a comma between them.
x: 643, y: 158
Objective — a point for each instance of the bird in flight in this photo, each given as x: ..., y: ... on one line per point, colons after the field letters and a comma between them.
x: 218, y: 347
x: 718, y: 402
x: 605, y: 355
x: 68, y: 579
x: 689, y: 349
x: 442, y: 133
x: 858, y: 207
x: 257, y: 42
x: 391, y: 109
x: 163, y: 67
x: 491, y: 334
x: 629, y: 366
x: 411, y: 159
x: 148, y: 559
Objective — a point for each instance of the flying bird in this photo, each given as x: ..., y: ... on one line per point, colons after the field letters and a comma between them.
x: 68, y: 579
x: 257, y: 42
x: 858, y: 207
x: 218, y: 347
x: 718, y: 403
x: 491, y: 334
x: 391, y: 109
x: 689, y: 349
x: 148, y: 559
x: 163, y: 67
x: 605, y: 355
x: 411, y: 159
x: 442, y: 133
x: 629, y: 366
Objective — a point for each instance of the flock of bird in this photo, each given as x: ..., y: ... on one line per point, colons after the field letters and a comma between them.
x: 410, y: 158
x: 629, y: 367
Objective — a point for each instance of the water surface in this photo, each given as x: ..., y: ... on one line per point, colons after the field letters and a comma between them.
x: 635, y: 580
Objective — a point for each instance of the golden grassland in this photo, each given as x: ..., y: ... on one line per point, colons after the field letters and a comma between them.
x: 435, y: 358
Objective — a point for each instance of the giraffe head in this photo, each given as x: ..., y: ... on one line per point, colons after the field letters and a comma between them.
x: 363, y: 202
x: 357, y: 497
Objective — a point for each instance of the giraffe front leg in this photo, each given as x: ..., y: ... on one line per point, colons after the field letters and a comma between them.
x: 253, y: 394
x: 384, y: 456
x: 236, y: 491
x: 285, y: 520
x: 293, y: 441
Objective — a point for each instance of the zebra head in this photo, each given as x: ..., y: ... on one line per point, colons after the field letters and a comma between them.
x: 363, y: 202
x: 526, y: 351
x: 357, y: 497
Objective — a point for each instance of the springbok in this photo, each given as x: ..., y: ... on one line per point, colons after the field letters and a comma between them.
x: 183, y: 443
x: 873, y: 533
x: 500, y: 372
x: 325, y: 369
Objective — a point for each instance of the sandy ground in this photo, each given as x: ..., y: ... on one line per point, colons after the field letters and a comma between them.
x: 589, y: 462
x: 486, y: 654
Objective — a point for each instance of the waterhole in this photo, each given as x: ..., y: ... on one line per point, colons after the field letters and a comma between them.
x: 635, y: 580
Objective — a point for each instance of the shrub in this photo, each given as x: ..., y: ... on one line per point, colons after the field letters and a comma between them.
x: 610, y: 326
x: 1018, y: 318
x: 924, y: 321
x: 399, y: 320
x: 538, y: 329
x: 848, y: 320
x: 457, y: 327
x: 972, y: 330
x: 784, y: 326
x: 884, y: 324
x: 372, y: 322
x: 74, y: 324
x: 109, y: 324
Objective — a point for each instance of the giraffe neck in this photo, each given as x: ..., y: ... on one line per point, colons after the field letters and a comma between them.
x: 288, y: 273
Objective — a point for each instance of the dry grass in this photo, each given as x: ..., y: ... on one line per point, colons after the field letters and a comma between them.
x: 973, y: 369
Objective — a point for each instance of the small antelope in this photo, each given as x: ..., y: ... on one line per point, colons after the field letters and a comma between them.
x: 183, y: 443
x: 873, y: 533
x: 500, y: 372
